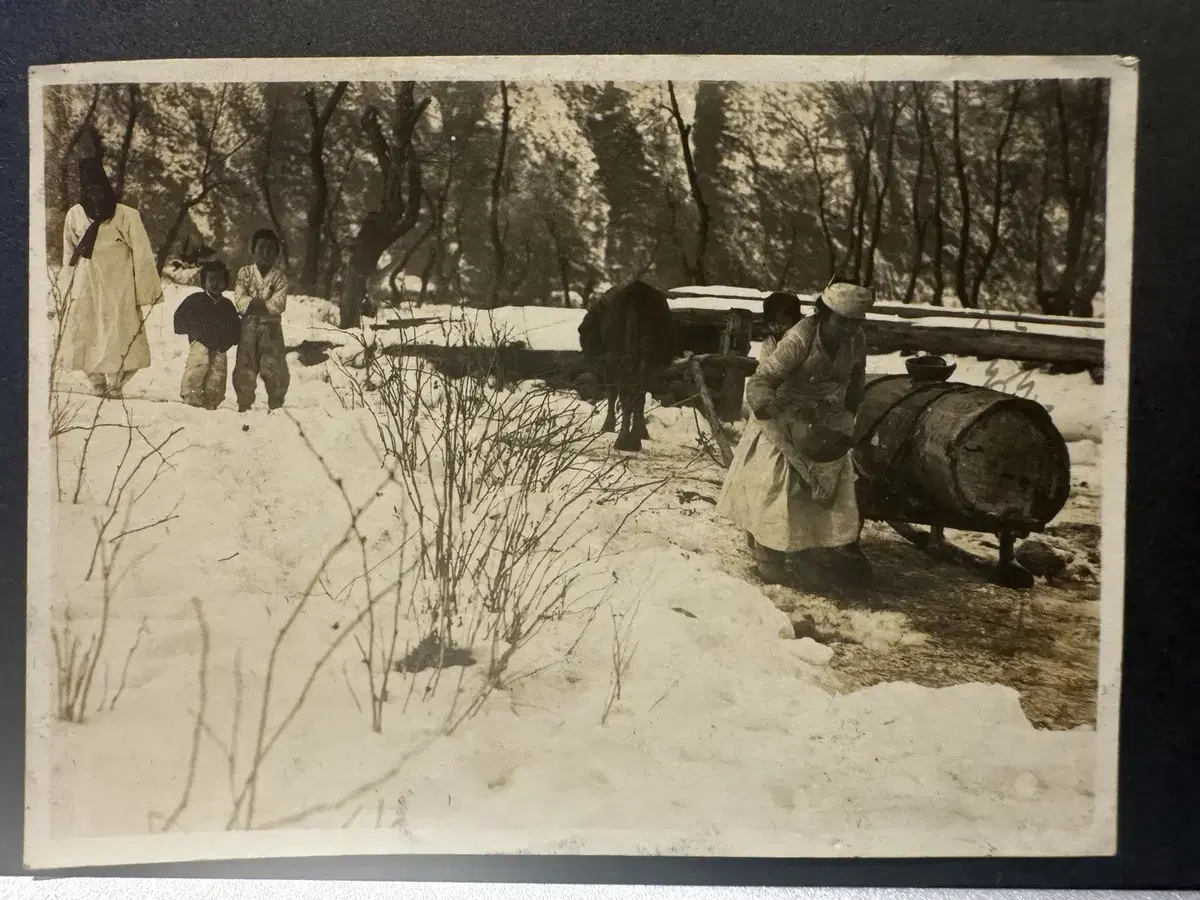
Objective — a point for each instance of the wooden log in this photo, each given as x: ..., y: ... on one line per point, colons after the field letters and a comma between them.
x: 568, y: 369
x: 710, y: 413
x: 974, y: 317
x: 559, y: 369
x: 1056, y: 343
x: 405, y: 323
x: 958, y: 456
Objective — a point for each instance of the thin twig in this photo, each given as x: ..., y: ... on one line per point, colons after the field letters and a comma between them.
x: 198, y: 731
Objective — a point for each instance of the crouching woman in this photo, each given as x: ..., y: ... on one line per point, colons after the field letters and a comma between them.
x: 791, y: 484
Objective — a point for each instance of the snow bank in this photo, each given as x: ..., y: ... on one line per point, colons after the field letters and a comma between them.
x: 723, y: 739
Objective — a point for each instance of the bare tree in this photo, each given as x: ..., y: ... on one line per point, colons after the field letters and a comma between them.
x: 920, y: 222
x: 266, y: 164
x: 494, y: 209
x: 937, y: 254
x: 131, y: 117
x: 967, y: 284
x: 1077, y: 137
x: 213, y: 175
x: 438, y: 204
x: 68, y: 153
x: 334, y: 262
x: 696, y: 265
x: 319, y: 198
x: 399, y: 202
x: 867, y: 126
x: 882, y: 186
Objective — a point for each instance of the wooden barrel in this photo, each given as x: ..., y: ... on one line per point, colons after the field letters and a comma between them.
x: 958, y: 456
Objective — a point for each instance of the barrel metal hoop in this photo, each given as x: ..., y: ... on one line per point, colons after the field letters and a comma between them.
x: 904, y: 449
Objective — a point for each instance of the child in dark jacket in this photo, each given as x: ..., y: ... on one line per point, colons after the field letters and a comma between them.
x: 212, y: 325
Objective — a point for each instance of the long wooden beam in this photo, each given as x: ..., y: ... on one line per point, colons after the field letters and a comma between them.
x: 1055, y: 343
x: 978, y: 318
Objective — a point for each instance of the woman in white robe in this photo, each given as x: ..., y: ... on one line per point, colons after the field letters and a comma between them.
x: 108, y: 283
x: 791, y: 484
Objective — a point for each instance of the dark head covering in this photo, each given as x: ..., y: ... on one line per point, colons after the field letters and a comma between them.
x: 214, y: 265
x: 99, y: 209
x: 782, y: 303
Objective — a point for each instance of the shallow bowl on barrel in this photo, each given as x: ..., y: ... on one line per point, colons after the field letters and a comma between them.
x: 929, y: 368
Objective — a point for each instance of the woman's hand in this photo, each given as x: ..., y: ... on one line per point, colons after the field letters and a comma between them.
x: 766, y: 413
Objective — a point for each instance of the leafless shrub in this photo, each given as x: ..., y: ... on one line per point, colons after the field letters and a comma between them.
x: 197, y: 733
x: 623, y: 650
x: 494, y: 478
x: 76, y: 667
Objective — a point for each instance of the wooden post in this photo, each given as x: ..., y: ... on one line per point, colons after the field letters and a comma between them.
x: 710, y: 413
x: 733, y: 383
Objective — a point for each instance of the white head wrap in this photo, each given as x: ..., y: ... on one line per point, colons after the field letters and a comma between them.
x: 849, y: 300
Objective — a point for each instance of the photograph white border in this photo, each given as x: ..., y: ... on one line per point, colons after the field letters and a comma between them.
x: 41, y: 851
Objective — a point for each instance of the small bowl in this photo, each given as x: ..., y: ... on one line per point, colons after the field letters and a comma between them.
x: 929, y: 368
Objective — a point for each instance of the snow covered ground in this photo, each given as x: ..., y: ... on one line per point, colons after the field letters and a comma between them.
x: 729, y: 736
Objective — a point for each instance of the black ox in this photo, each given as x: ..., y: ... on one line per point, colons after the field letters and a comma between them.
x: 628, y: 338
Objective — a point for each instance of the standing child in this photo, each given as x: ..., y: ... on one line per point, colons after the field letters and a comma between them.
x: 212, y: 326
x: 261, y: 297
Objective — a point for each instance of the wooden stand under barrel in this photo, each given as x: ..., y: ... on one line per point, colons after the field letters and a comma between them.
x: 951, y: 455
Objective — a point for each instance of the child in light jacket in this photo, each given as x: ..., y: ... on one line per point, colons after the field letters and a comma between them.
x: 260, y: 296
x: 212, y: 326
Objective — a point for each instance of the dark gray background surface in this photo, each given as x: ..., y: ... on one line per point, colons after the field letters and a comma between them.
x: 1160, y: 740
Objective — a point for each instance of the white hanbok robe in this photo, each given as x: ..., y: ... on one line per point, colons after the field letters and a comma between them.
x: 104, y: 299
x: 769, y: 487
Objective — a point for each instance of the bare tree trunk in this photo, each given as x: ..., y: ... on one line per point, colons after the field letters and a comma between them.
x: 401, y: 266
x: 822, y: 209
x: 436, y: 256
x: 264, y: 172
x: 696, y: 268
x: 64, y: 163
x: 1039, y: 240
x: 881, y: 191
x: 131, y: 117
x: 862, y: 184
x: 961, y: 284
x: 333, y: 265
x: 564, y: 262
x: 999, y: 200
x: 1078, y: 190
x: 937, y: 255
x: 1086, y: 297
x: 494, y: 211
x: 333, y: 261
x: 919, y: 222
x: 319, y: 199
x: 399, y: 203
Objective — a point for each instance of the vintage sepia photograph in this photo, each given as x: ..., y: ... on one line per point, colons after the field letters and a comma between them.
x: 683, y: 456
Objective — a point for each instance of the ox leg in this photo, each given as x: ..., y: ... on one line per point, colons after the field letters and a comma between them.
x: 610, y: 420
x: 627, y: 439
x: 639, y: 413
